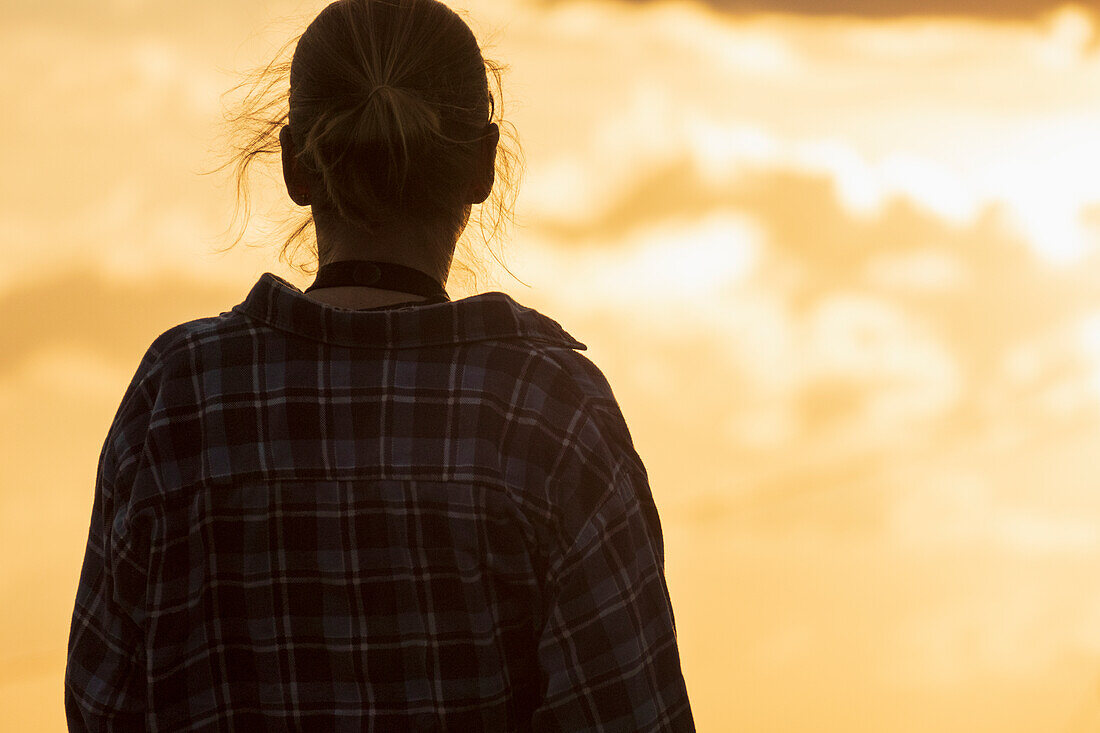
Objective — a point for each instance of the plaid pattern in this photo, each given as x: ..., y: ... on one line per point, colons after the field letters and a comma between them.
x: 426, y: 518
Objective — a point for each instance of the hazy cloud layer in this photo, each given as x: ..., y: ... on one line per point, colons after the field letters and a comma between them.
x: 115, y: 321
x: 837, y: 323
x: 885, y: 9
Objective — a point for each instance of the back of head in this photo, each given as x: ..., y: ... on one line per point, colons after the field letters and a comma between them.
x: 388, y: 102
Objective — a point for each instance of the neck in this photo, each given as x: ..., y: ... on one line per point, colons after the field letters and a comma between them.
x: 415, y: 244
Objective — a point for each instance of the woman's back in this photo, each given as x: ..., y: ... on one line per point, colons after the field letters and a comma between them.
x: 358, y: 520
x: 427, y: 517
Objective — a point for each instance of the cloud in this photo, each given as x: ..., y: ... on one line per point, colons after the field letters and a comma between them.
x: 81, y: 311
x: 200, y: 19
x: 846, y: 352
x: 816, y: 246
x: 885, y: 9
x: 957, y: 117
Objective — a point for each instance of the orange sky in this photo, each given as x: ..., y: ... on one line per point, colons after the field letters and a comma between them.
x: 841, y: 271
x: 986, y: 10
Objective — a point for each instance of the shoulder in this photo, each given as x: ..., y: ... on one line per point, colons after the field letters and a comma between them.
x: 174, y: 348
x: 553, y: 350
x: 186, y: 336
x: 564, y: 398
x: 553, y: 361
x: 165, y: 370
x: 592, y: 395
x: 588, y: 381
x: 595, y: 474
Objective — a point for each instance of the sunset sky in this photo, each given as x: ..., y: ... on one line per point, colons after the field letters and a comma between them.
x: 840, y: 261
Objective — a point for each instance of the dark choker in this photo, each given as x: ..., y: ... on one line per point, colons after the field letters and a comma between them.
x: 381, y: 275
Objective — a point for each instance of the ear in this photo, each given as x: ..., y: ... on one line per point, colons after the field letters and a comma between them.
x: 297, y: 184
x: 485, y: 175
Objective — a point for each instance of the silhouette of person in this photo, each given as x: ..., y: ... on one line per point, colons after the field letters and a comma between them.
x: 367, y: 506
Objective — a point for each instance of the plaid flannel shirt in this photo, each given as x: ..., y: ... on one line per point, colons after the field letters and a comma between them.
x: 424, y: 518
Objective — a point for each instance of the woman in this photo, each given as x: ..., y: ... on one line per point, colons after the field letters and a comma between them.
x: 365, y: 506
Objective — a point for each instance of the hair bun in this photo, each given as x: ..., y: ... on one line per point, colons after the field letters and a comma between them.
x: 384, y: 132
x: 400, y: 116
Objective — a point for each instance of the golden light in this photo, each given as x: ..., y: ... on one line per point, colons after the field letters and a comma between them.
x: 842, y: 273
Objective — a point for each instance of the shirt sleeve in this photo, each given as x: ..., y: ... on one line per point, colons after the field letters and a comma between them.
x: 105, y: 669
x: 608, y: 652
x: 105, y: 682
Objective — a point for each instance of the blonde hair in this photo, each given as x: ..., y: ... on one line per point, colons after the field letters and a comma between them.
x: 387, y: 103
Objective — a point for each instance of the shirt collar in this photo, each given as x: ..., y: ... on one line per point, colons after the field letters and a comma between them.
x: 486, y: 317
